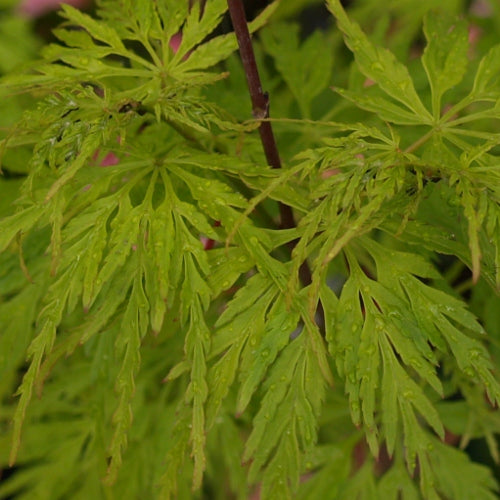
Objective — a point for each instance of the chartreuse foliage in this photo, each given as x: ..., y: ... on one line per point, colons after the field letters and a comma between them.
x: 169, y: 369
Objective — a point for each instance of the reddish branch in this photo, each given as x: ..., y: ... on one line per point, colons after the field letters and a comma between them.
x: 260, y: 110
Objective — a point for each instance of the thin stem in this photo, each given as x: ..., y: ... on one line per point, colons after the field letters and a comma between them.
x: 260, y: 110
x: 260, y: 100
x: 491, y: 113
x: 419, y: 142
x: 152, y: 52
x: 456, y: 108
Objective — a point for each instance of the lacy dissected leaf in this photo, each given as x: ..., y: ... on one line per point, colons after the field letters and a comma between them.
x: 493, y: 233
x: 285, y: 426
x: 445, y: 56
x: 214, y: 196
x: 275, y: 183
x: 176, y: 456
x: 439, y: 228
x: 114, y: 294
x: 371, y: 100
x: 396, y: 483
x: 215, y: 50
x: 464, y: 185
x: 20, y: 222
x: 63, y: 152
x: 225, y: 448
x: 383, y: 338
x: 448, y: 472
x: 445, y: 61
x: 218, y: 199
x: 366, y: 345
x: 196, y: 346
x: 279, y: 325
x: 442, y: 229
x: 480, y: 200
x: 41, y: 345
x: 152, y: 77
x: 84, y: 58
x: 379, y: 65
x: 475, y: 480
x: 486, y: 79
x: 60, y: 413
x: 197, y: 26
x: 472, y: 418
x: 227, y: 266
x: 306, y: 68
x: 357, y: 182
x: 17, y: 317
x: 475, y: 206
x: 133, y: 327
x: 331, y: 467
x: 67, y: 410
x: 61, y: 296
x: 448, y: 325
x: 112, y: 262
x: 240, y: 329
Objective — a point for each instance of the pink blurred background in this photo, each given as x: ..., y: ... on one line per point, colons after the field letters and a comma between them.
x: 36, y: 8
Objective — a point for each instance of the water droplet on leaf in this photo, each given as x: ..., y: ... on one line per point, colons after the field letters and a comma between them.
x: 377, y: 66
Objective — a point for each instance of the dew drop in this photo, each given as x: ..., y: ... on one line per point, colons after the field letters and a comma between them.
x: 408, y: 395
x: 474, y: 354
x: 403, y: 84
x: 415, y: 363
x: 370, y: 350
x: 377, y: 66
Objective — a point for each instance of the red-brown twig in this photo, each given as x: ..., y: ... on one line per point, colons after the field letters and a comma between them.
x: 260, y: 109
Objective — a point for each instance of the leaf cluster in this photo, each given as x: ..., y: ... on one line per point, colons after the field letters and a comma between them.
x: 150, y: 298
